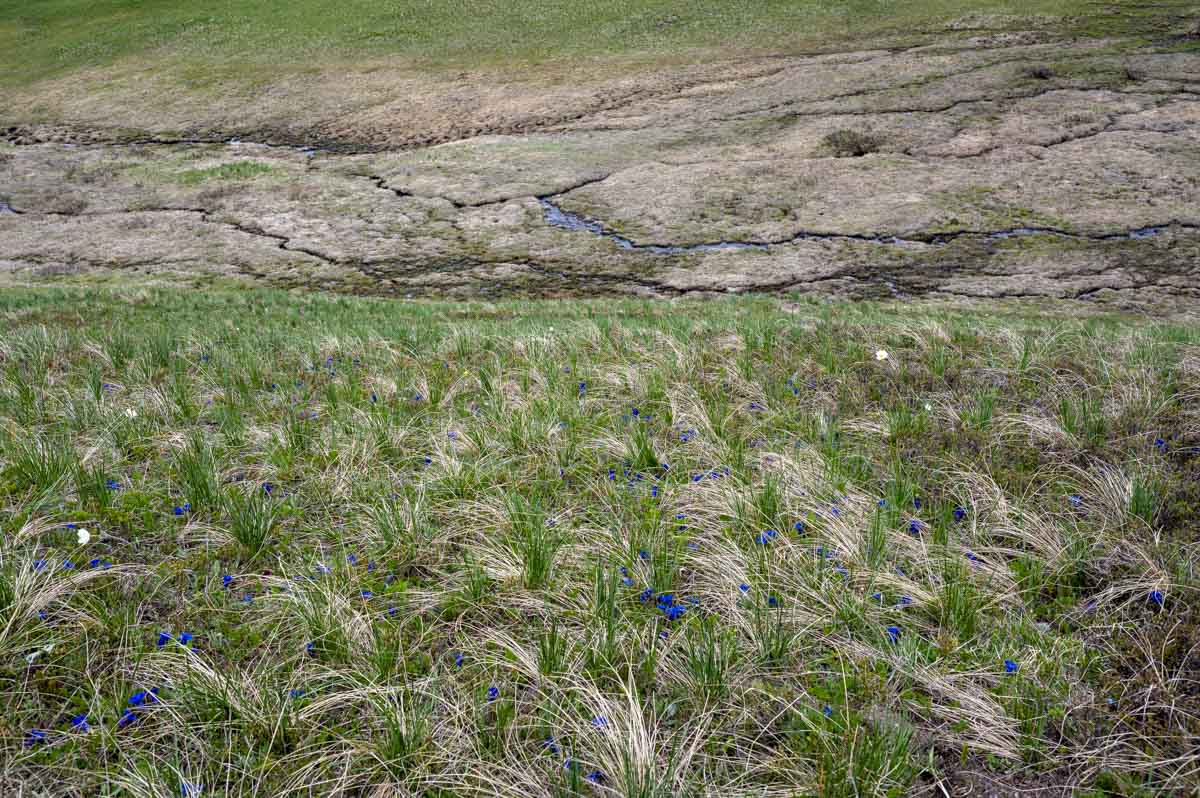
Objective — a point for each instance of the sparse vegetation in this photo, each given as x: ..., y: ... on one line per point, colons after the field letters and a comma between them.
x: 849, y: 143
x: 352, y: 546
x: 237, y: 170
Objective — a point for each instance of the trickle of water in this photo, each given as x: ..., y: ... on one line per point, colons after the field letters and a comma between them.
x: 6, y: 208
x: 557, y: 217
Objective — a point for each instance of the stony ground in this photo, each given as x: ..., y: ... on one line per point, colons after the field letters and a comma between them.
x: 1008, y: 164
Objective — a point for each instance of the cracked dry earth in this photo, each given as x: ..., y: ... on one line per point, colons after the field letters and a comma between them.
x: 991, y: 178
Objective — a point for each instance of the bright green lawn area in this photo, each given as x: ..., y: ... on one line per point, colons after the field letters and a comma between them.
x: 47, y: 37
x: 708, y: 548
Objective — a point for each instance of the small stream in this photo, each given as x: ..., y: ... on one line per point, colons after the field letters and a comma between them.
x: 565, y: 220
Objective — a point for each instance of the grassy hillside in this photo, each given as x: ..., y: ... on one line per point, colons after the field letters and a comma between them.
x: 47, y: 38
x: 592, y: 548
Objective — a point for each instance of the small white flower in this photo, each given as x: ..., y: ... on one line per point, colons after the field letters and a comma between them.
x: 928, y: 407
x: 881, y: 354
x: 84, y: 536
x: 130, y: 412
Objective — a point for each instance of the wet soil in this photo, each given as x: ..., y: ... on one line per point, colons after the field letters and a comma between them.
x: 1012, y: 165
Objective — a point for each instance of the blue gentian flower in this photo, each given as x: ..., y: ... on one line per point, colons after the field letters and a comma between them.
x: 267, y: 488
x: 881, y: 503
x: 799, y: 527
x: 914, y: 527
x: 225, y: 580
x: 772, y: 601
x: 917, y: 502
x: 893, y: 633
x: 582, y: 388
x: 178, y: 510
x: 493, y: 693
x: 693, y: 546
x: 126, y: 719
x: 163, y: 638
x: 33, y: 737
x: 112, y: 484
x: 674, y: 613
x: 366, y: 594
x: 645, y: 595
x: 627, y: 581
x: 147, y: 697
x: 600, y: 722
x: 1160, y: 444
x: 635, y: 412
x: 645, y: 555
x: 374, y: 398
x: 972, y: 556
x: 904, y: 601
x: 745, y: 588
x: 68, y: 565
x: 458, y: 659
x: 828, y: 711
x: 960, y: 513
x: 310, y: 648
x: 392, y: 612
x: 80, y: 722
x: 549, y: 745
x: 352, y: 559
x: 1010, y: 666
x: 877, y: 597
x: 296, y: 692
x: 1156, y: 597
x: 39, y: 565
x: 1076, y: 500
x: 189, y: 790
x: 185, y: 638
x: 666, y: 599
x: 99, y: 563
x: 596, y: 777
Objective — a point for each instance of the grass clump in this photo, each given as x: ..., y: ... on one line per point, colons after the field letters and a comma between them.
x: 566, y: 547
x: 238, y: 170
x: 850, y: 143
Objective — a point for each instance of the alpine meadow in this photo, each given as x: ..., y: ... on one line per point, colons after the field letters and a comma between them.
x: 644, y: 399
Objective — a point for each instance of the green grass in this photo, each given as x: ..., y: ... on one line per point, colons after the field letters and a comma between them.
x: 238, y: 170
x: 369, y: 514
x: 52, y: 36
